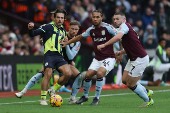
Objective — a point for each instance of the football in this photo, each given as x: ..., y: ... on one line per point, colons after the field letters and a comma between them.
x: 56, y: 100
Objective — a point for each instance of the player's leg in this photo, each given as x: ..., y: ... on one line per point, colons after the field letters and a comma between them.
x: 76, y: 85
x: 50, y: 60
x: 66, y: 74
x: 106, y: 66
x: 86, y: 86
x: 31, y: 82
x: 45, y: 84
x: 135, y: 71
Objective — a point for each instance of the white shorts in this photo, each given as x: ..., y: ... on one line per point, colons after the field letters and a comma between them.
x: 137, y: 67
x: 158, y: 72
x: 107, y: 63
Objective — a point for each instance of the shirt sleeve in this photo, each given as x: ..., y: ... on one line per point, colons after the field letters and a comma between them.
x: 40, y: 31
x: 71, y: 53
x: 86, y: 33
x: 111, y: 30
x: 123, y: 29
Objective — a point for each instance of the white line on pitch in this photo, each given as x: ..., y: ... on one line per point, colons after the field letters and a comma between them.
x: 89, y: 96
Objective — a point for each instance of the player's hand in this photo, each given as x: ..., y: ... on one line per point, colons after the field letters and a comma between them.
x: 62, y: 43
x: 72, y: 63
x: 117, y: 53
x: 30, y: 25
x: 65, y: 39
x: 119, y: 59
x: 99, y: 47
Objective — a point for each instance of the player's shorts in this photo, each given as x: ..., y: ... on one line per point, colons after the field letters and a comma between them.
x: 108, y: 64
x: 158, y: 72
x: 53, y: 59
x: 137, y: 67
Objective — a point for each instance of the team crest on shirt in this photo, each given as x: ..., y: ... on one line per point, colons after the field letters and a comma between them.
x: 72, y: 44
x: 93, y: 34
x: 103, y: 32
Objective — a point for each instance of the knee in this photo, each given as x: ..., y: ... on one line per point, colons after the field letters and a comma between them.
x: 100, y: 74
x: 68, y: 74
x: 48, y: 73
x: 88, y: 76
x: 130, y: 85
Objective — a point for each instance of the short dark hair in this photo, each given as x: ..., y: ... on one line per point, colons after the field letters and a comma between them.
x: 60, y: 11
x: 98, y: 11
x: 74, y: 22
x: 161, y: 39
x: 120, y: 13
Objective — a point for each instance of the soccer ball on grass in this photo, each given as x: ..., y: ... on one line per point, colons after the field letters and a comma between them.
x: 56, y: 101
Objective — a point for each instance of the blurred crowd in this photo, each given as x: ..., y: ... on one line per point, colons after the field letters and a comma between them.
x: 149, y: 18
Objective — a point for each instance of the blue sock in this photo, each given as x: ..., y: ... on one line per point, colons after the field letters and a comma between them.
x: 34, y: 80
x: 86, y: 87
x: 143, y: 82
x: 140, y: 92
x: 145, y: 90
x: 76, y: 85
x: 99, y: 84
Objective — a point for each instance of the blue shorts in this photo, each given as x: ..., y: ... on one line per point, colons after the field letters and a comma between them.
x: 53, y: 60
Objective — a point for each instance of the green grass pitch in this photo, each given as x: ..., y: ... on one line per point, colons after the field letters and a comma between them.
x: 111, y: 101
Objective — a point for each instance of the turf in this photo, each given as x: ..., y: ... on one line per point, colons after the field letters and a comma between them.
x: 111, y: 101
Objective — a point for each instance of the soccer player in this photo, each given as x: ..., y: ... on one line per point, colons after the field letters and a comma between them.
x: 52, y: 34
x: 138, y: 58
x: 69, y: 52
x: 104, y: 61
x: 160, y: 64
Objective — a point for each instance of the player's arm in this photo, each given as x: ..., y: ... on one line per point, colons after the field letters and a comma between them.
x: 36, y: 32
x: 123, y: 29
x: 111, y: 41
x: 159, y: 54
x: 77, y: 38
x: 71, y: 53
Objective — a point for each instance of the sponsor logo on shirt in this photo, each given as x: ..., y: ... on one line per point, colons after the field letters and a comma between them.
x: 99, y: 39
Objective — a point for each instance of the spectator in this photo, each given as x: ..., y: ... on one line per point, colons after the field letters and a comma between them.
x: 154, y: 7
x: 17, y: 32
x: 134, y: 14
x: 150, y: 42
x: 78, y: 8
x: 139, y: 25
x: 73, y: 15
x: 40, y: 12
x: 166, y: 5
x: 87, y: 22
x: 105, y: 6
x: 85, y: 4
x: 147, y: 17
x: 68, y: 5
x: 154, y: 25
x: 7, y: 46
x: 126, y: 4
x: 90, y: 8
x: 149, y: 31
x: 163, y: 20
